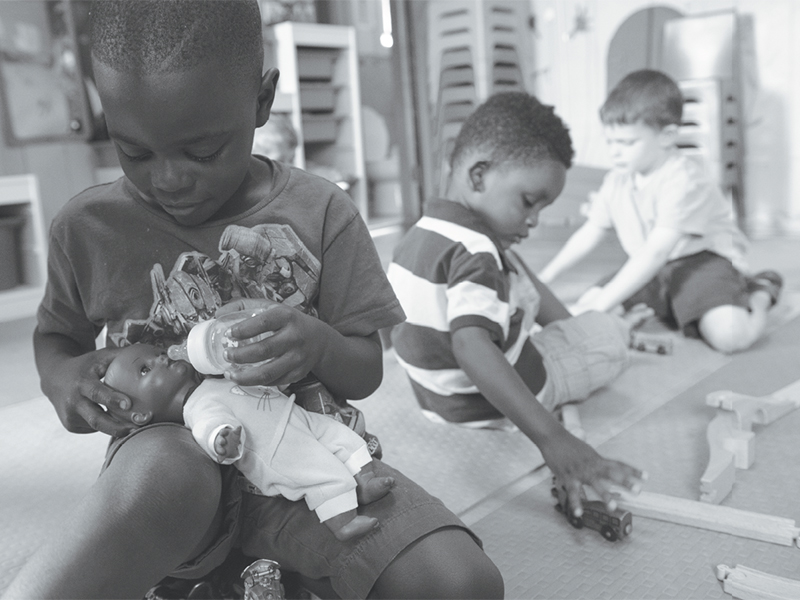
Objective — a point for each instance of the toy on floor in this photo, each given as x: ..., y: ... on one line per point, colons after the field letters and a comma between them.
x: 651, y: 336
x: 731, y: 439
x: 645, y: 341
x: 748, y: 584
x: 742, y: 523
x: 612, y: 524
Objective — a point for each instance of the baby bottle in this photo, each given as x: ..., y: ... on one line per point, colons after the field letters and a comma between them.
x: 205, y: 345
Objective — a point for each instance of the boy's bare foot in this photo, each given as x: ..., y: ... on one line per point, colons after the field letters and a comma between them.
x: 356, y: 527
x: 371, y: 487
x: 770, y: 282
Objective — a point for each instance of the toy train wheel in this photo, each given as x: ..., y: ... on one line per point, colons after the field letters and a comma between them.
x: 608, y: 533
x: 662, y: 349
x: 576, y: 522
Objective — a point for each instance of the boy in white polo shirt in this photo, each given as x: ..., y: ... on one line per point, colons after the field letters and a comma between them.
x: 686, y: 255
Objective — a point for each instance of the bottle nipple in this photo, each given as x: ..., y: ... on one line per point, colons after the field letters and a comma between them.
x: 178, y: 351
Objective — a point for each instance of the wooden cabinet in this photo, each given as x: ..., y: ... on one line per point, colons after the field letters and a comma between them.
x: 319, y: 74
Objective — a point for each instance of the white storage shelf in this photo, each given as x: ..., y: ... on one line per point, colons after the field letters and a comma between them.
x: 319, y: 73
x: 19, y: 196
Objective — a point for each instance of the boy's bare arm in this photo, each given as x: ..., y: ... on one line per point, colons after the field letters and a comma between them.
x: 71, y: 379
x: 550, y: 308
x: 578, y: 246
x: 350, y: 366
x: 637, y: 271
x: 573, y: 461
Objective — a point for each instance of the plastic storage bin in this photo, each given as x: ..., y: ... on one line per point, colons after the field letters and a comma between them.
x: 10, y: 256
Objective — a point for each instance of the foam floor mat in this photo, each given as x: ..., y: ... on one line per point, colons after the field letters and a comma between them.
x: 542, y: 556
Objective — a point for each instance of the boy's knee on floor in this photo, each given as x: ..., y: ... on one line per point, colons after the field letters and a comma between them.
x: 728, y: 329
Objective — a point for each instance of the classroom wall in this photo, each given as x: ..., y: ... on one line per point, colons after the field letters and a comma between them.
x: 569, y: 69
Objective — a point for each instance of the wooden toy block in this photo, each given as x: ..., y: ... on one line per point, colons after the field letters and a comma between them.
x: 731, y: 440
x: 749, y: 584
x: 729, y: 449
x: 742, y: 523
x: 751, y: 410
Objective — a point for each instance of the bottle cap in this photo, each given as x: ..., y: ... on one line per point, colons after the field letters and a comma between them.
x: 198, y: 350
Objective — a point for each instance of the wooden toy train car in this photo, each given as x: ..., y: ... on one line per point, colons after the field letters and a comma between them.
x: 612, y: 524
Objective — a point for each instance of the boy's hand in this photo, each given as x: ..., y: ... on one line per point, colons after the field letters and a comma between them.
x: 79, y: 394
x: 296, y: 346
x: 226, y: 444
x: 576, y: 464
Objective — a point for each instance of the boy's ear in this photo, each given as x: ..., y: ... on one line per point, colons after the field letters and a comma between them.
x: 669, y: 134
x: 266, y: 95
x: 140, y: 419
x: 476, y: 173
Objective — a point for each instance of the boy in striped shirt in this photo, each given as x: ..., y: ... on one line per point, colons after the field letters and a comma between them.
x: 471, y: 303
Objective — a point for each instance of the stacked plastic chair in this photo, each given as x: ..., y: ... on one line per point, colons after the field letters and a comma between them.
x: 476, y: 48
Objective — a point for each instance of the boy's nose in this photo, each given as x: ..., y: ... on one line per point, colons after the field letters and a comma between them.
x: 169, y: 177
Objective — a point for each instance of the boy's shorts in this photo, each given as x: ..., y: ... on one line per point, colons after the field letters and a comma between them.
x: 581, y: 354
x: 688, y: 287
x: 291, y: 534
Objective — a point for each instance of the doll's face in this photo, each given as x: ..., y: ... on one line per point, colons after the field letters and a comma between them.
x: 156, y: 384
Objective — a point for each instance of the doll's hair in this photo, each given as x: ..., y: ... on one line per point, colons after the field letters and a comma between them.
x: 513, y: 127
x: 163, y: 36
x: 646, y: 96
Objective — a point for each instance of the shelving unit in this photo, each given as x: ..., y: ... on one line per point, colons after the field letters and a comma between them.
x: 319, y: 74
x: 19, y: 198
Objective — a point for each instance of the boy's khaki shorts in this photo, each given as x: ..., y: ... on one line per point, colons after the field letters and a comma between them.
x: 289, y: 533
x: 581, y: 354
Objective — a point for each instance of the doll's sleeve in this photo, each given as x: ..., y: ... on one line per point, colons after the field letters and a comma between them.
x: 207, y: 417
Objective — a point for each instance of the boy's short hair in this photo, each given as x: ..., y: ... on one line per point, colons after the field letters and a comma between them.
x: 645, y: 96
x: 514, y: 127
x: 162, y: 36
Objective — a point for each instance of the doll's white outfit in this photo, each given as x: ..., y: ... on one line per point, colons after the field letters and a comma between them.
x: 284, y: 450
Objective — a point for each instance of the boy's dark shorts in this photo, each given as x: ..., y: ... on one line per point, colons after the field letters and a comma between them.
x: 688, y: 287
x: 290, y: 533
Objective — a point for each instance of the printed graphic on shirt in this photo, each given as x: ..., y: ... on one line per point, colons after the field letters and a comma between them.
x: 265, y: 261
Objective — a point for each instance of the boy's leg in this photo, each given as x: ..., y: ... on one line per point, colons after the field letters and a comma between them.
x: 420, y: 549
x: 581, y: 354
x: 447, y: 563
x: 153, y: 508
x: 730, y: 312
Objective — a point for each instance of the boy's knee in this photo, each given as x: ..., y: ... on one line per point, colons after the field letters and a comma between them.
x: 447, y: 563
x: 163, y: 466
x: 727, y: 329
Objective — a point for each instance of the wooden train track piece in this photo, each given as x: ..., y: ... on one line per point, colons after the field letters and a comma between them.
x: 742, y: 523
x: 731, y: 437
x: 745, y: 583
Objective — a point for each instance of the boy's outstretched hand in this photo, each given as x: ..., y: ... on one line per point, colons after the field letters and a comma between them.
x: 576, y: 464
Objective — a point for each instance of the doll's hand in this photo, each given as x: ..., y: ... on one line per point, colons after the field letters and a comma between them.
x: 295, y: 347
x: 80, y: 394
x: 226, y: 444
x: 576, y: 464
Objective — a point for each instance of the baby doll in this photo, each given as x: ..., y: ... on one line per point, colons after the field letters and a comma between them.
x: 280, y: 447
